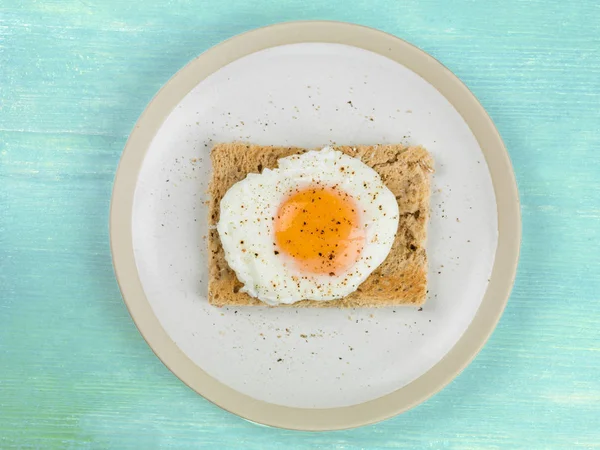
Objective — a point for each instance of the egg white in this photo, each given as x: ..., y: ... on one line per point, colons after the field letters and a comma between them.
x: 246, y: 226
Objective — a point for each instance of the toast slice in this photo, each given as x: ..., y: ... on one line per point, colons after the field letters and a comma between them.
x: 400, y: 279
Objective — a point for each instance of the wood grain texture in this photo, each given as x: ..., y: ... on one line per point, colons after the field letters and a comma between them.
x: 74, y: 76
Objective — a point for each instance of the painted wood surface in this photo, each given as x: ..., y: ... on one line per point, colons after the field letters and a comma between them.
x: 75, y: 75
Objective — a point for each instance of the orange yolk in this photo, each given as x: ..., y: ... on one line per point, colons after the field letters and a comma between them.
x: 320, y: 229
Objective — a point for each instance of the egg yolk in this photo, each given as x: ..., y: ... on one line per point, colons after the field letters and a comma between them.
x: 320, y: 229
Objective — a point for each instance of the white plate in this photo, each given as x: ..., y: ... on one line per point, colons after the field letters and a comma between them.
x: 308, y: 94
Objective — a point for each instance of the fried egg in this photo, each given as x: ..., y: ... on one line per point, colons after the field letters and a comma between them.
x: 312, y: 229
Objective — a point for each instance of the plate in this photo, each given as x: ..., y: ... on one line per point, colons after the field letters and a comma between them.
x: 311, y: 84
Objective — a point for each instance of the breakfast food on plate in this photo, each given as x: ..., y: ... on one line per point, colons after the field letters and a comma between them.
x: 343, y: 226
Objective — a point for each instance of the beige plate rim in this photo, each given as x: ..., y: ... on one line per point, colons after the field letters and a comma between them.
x: 503, y: 273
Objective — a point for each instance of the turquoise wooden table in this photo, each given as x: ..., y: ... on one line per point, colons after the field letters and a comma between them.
x: 74, y: 76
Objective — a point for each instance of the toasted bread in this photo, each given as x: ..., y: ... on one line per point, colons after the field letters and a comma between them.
x: 400, y: 279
